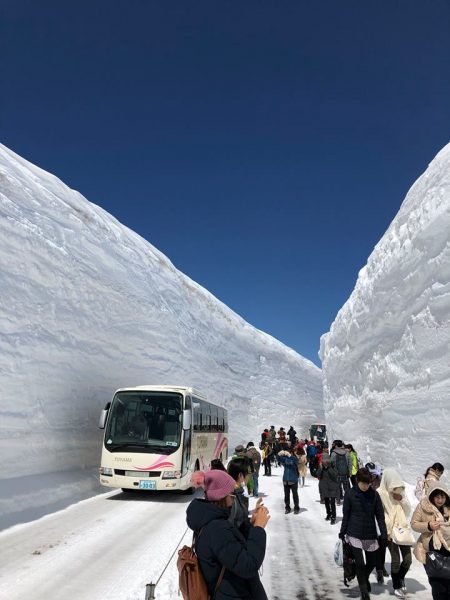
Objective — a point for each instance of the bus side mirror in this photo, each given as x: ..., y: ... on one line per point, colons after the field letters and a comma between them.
x: 104, y: 416
x: 186, y: 419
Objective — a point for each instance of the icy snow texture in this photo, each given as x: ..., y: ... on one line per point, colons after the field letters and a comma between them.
x: 88, y: 306
x: 386, y: 359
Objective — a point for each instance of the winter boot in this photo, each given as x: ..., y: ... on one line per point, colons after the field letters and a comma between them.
x: 332, y: 521
x: 287, y: 511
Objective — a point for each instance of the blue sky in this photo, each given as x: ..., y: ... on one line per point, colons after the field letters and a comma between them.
x: 264, y: 147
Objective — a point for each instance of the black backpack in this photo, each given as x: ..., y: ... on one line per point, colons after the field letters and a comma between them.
x: 349, y: 564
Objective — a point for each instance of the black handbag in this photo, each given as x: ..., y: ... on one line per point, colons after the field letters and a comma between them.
x: 437, y: 565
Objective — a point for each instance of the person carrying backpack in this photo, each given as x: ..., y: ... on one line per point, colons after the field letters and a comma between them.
x: 255, y: 456
x: 219, y: 543
x: 341, y: 461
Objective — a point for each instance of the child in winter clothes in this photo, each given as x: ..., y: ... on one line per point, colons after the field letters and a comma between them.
x: 396, y: 512
x: 328, y: 487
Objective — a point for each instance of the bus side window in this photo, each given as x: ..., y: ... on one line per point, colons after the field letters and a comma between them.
x: 214, y: 422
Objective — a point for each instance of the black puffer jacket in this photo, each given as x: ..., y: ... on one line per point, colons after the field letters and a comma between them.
x: 222, y: 544
x: 359, y: 513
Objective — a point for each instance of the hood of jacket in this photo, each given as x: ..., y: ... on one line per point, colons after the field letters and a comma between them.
x: 396, y: 511
x: 200, y: 512
x: 341, y: 451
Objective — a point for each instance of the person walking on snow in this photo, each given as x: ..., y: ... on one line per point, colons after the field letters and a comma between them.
x: 254, y: 455
x: 328, y: 487
x: 292, y: 435
x: 362, y: 506
x: 340, y: 459
x: 431, y: 519
x: 290, y: 479
x: 433, y: 473
x: 301, y: 455
x: 354, y: 463
x: 267, y: 459
x: 396, y: 512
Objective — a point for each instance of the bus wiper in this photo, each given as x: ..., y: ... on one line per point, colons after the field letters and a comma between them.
x: 127, y: 445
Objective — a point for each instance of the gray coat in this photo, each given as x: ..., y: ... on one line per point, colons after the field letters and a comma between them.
x: 328, y: 481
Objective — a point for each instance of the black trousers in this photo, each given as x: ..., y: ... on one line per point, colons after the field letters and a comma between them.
x: 381, y: 555
x: 287, y: 495
x: 440, y: 588
x: 267, y: 466
x: 330, y: 505
x: 364, y: 567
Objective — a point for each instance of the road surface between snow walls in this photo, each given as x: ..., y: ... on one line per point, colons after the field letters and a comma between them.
x: 110, y: 546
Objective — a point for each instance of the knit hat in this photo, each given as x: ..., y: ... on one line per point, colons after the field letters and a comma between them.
x: 239, y: 448
x: 217, y: 484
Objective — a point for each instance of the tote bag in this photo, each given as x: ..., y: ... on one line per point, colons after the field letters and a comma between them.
x: 402, y: 535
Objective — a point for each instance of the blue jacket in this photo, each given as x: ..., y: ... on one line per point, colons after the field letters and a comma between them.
x: 222, y: 544
x: 290, y: 464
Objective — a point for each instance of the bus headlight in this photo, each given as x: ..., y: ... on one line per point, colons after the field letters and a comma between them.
x: 171, y: 475
x: 106, y: 471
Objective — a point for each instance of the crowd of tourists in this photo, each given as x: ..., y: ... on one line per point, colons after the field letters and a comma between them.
x: 376, y: 515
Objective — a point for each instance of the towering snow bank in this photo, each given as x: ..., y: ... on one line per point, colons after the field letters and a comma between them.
x: 386, y: 360
x: 89, y: 306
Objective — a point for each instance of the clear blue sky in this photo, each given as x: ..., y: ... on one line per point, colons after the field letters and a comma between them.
x: 263, y: 146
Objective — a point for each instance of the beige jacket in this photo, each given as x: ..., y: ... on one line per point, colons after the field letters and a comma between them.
x: 302, y: 465
x: 424, y: 513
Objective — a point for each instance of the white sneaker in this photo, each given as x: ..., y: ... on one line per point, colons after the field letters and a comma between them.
x: 399, y: 593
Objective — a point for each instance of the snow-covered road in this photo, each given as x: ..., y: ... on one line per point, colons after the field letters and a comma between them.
x: 110, y: 546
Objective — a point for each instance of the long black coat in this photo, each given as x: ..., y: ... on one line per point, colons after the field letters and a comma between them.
x: 359, y: 513
x: 222, y: 544
x: 328, y: 482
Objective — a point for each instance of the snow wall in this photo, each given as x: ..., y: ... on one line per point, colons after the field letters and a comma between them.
x: 88, y: 306
x: 386, y: 359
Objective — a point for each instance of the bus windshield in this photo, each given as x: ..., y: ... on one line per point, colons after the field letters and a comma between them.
x: 318, y: 430
x: 143, y: 421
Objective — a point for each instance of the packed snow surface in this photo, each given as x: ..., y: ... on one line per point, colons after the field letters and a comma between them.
x: 386, y: 359
x: 112, y: 545
x: 88, y: 306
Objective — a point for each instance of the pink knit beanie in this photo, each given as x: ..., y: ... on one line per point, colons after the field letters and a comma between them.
x: 216, y: 483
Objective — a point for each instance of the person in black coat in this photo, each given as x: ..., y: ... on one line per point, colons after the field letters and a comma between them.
x: 219, y: 543
x: 328, y: 487
x: 362, y: 506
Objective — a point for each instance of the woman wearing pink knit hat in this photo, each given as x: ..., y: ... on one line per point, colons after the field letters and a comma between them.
x: 219, y: 543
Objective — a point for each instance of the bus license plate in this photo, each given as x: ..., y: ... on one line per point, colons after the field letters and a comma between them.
x: 147, y: 485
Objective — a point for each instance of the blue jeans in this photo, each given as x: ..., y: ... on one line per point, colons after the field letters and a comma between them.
x: 255, y: 484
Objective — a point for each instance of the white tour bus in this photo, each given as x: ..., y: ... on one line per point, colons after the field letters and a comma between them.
x: 156, y: 436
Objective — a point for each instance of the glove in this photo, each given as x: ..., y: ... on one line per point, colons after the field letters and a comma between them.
x: 341, y: 536
x: 383, y: 542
